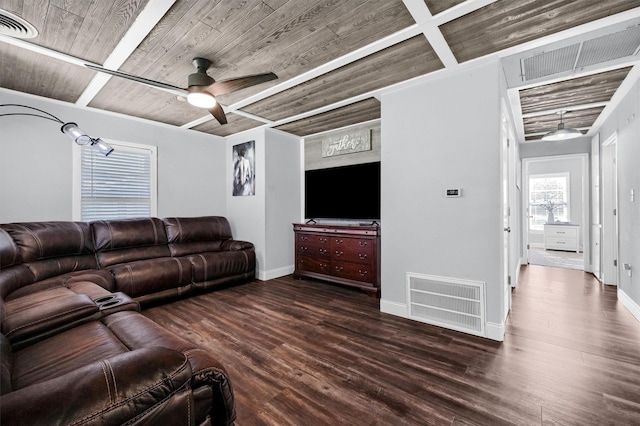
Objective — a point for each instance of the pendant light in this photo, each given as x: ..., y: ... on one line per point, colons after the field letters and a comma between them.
x: 562, y: 133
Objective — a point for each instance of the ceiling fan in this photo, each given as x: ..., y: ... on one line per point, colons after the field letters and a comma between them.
x: 201, y: 88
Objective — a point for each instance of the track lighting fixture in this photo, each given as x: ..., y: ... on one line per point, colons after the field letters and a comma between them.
x: 70, y: 129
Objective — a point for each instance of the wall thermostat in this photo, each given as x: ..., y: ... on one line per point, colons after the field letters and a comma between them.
x: 456, y: 192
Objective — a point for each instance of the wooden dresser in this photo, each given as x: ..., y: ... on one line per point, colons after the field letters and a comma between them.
x: 348, y: 255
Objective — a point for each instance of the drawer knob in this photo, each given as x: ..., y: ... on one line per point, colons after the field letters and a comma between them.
x: 363, y: 243
x: 363, y: 273
x: 362, y: 255
x: 339, y: 253
x: 323, y: 251
x: 339, y: 268
x: 339, y: 241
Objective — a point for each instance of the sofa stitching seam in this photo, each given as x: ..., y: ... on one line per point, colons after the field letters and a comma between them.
x: 44, y: 319
x: 146, y: 390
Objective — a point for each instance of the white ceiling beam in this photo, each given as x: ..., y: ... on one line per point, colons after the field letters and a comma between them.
x: 568, y: 109
x: 350, y: 57
x: 144, y: 23
x: 44, y: 51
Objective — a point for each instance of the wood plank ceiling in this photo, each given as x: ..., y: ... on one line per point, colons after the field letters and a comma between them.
x: 334, y: 58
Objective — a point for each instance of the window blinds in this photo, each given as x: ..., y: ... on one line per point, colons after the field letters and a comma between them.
x: 117, y: 186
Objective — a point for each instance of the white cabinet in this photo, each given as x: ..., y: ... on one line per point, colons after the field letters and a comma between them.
x: 562, y: 237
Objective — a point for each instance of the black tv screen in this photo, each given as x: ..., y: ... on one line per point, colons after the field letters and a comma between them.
x: 347, y: 192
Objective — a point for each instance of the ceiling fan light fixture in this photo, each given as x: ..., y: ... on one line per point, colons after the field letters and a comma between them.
x: 201, y: 99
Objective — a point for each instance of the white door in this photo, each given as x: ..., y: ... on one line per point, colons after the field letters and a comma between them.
x: 609, y: 266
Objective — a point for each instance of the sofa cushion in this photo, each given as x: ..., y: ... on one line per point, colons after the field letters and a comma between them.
x: 44, y: 312
x: 45, y: 240
x: 209, y: 266
x: 120, y: 241
x: 144, y: 386
x: 9, y: 252
x: 151, y: 276
x: 50, y: 249
x: 6, y: 365
x: 64, y: 353
x: 191, y: 235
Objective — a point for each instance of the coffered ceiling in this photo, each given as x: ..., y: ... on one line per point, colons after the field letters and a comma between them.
x: 334, y: 58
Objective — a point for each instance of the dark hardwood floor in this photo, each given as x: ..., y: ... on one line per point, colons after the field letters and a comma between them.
x: 309, y: 353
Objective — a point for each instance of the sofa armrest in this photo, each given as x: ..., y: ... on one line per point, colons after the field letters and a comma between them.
x: 235, y: 245
x: 43, y: 318
x: 141, y: 385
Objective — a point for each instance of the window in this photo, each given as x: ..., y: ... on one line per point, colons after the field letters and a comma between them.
x: 122, y: 185
x: 548, y: 192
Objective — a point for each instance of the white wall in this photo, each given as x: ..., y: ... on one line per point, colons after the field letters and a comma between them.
x: 266, y: 218
x: 283, y: 196
x: 439, y: 134
x: 625, y: 121
x: 36, y: 162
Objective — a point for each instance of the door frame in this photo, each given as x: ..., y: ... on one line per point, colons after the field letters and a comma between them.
x: 586, y: 208
x: 609, y: 193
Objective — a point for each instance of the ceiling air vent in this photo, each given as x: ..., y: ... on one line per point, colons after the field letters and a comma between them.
x: 598, y: 50
x: 14, y: 26
x: 609, y: 47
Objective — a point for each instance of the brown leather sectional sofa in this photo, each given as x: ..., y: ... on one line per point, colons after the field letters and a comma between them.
x: 75, y: 349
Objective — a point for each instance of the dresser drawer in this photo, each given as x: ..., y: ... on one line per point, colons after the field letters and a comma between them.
x: 352, y: 249
x: 353, y: 271
x: 313, y: 239
x: 313, y: 250
x: 562, y: 243
x: 312, y: 264
x: 561, y: 232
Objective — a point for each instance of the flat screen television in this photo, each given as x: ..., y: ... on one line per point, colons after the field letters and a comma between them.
x: 347, y: 192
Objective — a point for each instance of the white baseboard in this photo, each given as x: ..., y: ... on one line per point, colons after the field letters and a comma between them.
x: 494, y: 331
x: 393, y: 308
x: 629, y: 303
x: 274, y: 273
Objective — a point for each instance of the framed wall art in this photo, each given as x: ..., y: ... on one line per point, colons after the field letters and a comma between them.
x: 243, y: 159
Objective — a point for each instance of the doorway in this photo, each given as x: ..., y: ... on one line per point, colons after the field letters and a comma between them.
x: 555, y: 208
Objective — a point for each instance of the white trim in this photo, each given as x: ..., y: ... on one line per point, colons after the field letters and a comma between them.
x: 585, y: 230
x: 495, y: 331
x: 629, y: 303
x: 141, y: 27
x: 274, y: 273
x: 76, y: 197
x: 393, y: 308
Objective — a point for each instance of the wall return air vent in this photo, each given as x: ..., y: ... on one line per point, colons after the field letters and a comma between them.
x: 14, y: 26
x: 447, y: 302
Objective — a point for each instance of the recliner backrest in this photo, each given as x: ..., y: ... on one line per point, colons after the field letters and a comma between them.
x: 46, y: 249
x: 189, y: 235
x: 127, y: 240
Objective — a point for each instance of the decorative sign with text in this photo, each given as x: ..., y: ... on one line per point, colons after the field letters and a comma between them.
x: 347, y: 143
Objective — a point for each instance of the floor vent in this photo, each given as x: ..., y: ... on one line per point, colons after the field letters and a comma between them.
x: 446, y: 302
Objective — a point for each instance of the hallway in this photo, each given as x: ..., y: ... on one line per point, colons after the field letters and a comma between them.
x: 583, y: 346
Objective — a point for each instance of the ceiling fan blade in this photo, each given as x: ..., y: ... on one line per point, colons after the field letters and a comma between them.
x: 158, y: 84
x: 231, y: 85
x: 218, y: 113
